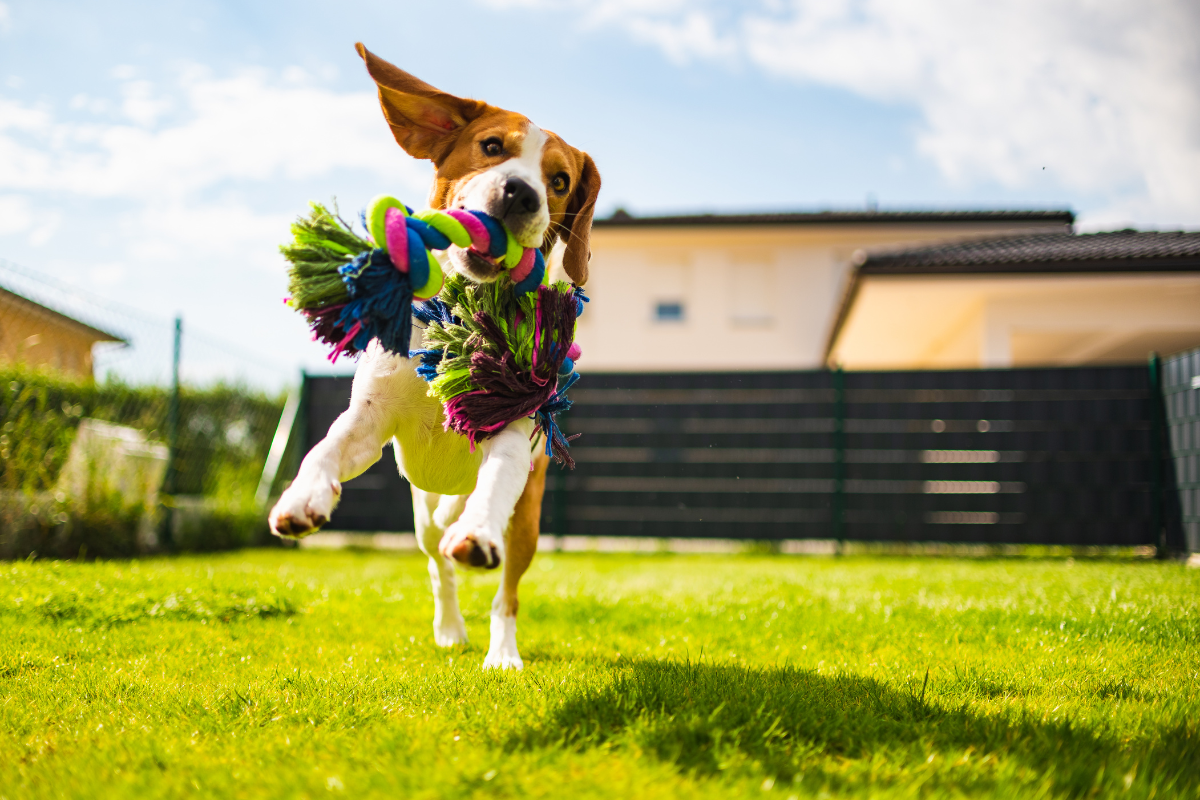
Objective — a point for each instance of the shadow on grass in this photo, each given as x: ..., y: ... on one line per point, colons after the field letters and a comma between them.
x: 787, y: 723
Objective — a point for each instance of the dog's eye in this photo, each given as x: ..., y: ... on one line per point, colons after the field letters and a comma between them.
x: 492, y: 146
x: 560, y: 183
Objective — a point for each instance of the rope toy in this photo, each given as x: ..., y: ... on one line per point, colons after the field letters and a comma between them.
x: 353, y: 290
x: 494, y: 353
x: 493, y: 356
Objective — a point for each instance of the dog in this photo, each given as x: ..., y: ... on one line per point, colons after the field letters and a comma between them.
x: 478, y: 507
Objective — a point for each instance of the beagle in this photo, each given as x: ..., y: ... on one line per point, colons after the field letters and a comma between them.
x: 480, y: 508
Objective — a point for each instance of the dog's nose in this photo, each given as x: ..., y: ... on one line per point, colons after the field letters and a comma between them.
x: 520, y: 196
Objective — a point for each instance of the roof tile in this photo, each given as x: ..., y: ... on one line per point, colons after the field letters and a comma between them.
x: 1117, y: 251
x: 623, y: 219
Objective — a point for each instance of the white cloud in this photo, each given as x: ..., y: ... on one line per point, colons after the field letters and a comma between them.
x: 95, y: 105
x: 695, y: 34
x: 5, y: 18
x: 15, y: 214
x: 243, y: 130
x: 244, y: 127
x: 175, y: 194
x: 107, y: 274
x: 1104, y: 95
x: 19, y: 216
x: 227, y: 232
x: 141, y: 105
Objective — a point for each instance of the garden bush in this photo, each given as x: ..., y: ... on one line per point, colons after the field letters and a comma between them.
x: 223, y: 436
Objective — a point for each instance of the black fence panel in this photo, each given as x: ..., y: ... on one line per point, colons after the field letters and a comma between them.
x: 693, y: 455
x: 1026, y: 456
x: 1022, y: 456
x: 377, y: 500
x: 1181, y: 393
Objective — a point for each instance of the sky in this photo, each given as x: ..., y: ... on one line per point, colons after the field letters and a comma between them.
x: 152, y: 154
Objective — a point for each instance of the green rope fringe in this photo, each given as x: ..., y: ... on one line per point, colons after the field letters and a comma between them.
x: 496, y: 300
x: 321, y: 245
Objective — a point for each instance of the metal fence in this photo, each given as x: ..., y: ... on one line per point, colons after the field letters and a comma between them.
x: 115, y: 467
x: 1028, y: 456
x: 1032, y: 456
x: 154, y: 438
x: 1181, y: 393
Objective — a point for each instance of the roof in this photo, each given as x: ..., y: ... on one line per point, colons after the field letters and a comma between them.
x: 1044, y: 253
x: 623, y: 219
x: 1118, y: 251
x: 45, y: 311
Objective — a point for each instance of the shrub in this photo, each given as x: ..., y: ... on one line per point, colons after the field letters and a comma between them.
x: 224, y: 434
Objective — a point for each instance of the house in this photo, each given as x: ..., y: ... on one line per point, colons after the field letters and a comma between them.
x: 33, y: 334
x: 1037, y: 299
x: 747, y: 291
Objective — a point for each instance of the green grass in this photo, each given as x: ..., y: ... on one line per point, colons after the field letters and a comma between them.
x: 301, y: 673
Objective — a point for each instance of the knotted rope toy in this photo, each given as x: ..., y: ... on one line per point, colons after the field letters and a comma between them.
x: 494, y: 353
x: 353, y: 289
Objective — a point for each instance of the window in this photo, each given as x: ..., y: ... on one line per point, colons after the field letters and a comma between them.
x: 668, y: 311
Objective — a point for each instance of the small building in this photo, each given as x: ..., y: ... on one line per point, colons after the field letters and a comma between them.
x: 747, y: 291
x: 1038, y: 299
x: 33, y: 334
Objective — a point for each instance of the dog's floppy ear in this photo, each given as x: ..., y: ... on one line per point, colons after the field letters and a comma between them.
x: 425, y: 121
x: 578, y: 222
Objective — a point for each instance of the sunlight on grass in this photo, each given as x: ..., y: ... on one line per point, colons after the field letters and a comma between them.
x: 296, y: 673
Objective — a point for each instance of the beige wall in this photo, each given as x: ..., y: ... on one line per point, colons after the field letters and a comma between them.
x: 35, y: 336
x: 1012, y: 320
x: 755, y: 297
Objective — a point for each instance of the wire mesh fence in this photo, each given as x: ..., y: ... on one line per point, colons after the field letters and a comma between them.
x: 111, y: 443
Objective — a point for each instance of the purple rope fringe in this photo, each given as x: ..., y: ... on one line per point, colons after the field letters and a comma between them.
x: 507, y: 392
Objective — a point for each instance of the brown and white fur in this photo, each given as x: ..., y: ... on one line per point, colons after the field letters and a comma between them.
x: 478, y: 508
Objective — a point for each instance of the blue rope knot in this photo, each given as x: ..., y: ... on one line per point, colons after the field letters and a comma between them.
x: 380, y: 302
x: 557, y: 444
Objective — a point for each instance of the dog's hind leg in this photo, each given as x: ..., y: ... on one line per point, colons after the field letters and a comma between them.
x: 432, y: 514
x: 522, y: 540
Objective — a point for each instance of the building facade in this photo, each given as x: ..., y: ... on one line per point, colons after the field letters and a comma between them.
x: 1038, y: 300
x: 746, y: 292
x: 32, y: 334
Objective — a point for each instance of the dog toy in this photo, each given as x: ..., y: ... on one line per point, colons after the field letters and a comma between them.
x: 353, y: 290
x: 494, y: 353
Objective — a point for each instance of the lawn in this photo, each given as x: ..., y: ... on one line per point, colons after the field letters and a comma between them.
x: 300, y: 673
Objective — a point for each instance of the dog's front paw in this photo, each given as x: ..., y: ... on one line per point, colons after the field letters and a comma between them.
x: 472, y: 545
x: 502, y: 652
x: 302, y: 510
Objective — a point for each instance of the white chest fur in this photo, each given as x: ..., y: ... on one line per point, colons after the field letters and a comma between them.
x: 429, y: 456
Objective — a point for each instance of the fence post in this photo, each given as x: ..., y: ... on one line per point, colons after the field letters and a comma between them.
x: 299, y: 440
x: 838, y: 509
x: 169, y: 478
x: 1157, y: 527
x: 279, y: 445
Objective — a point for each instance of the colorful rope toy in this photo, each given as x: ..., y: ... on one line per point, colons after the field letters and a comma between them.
x: 353, y: 289
x: 494, y: 356
x: 494, y: 352
x: 393, y: 223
